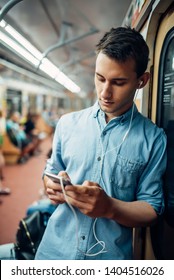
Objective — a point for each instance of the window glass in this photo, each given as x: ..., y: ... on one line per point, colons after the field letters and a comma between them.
x: 167, y: 122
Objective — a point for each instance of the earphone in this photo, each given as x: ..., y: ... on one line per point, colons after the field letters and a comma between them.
x: 140, y: 84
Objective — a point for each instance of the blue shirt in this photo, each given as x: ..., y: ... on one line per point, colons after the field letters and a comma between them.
x: 126, y: 158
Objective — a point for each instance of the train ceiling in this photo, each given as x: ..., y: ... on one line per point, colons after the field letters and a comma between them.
x: 65, y: 33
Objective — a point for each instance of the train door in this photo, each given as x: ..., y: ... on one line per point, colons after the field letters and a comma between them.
x: 163, y: 232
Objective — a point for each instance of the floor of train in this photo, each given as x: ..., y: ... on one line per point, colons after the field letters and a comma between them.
x: 25, y: 182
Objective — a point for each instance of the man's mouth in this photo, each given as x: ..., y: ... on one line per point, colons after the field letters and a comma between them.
x: 106, y: 102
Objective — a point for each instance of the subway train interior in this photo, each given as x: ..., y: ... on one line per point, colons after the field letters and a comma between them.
x: 47, y: 65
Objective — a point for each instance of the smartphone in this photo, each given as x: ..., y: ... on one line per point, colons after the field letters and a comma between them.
x: 56, y: 178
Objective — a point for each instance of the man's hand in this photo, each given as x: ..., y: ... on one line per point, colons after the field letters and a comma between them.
x: 93, y: 201
x: 54, y: 190
x: 89, y: 198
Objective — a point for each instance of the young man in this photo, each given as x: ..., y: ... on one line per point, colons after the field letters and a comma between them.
x: 114, y: 157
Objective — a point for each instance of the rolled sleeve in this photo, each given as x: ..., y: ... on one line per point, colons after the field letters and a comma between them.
x: 150, y: 187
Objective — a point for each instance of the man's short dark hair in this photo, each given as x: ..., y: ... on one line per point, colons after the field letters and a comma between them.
x: 123, y: 43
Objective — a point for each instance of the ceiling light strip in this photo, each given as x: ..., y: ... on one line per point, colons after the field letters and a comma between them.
x: 25, y: 49
x: 18, y: 49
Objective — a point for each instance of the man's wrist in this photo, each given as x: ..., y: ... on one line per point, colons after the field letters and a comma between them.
x: 109, y: 213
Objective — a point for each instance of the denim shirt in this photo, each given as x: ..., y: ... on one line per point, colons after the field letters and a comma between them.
x: 127, y: 158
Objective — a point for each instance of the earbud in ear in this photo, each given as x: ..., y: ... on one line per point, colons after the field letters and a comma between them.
x: 140, y: 84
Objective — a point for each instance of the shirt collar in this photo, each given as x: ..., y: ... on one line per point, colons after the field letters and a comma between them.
x: 122, y: 119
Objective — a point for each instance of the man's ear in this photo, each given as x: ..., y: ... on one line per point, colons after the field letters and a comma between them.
x: 142, y: 81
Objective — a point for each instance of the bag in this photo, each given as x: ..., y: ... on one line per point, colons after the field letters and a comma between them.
x: 29, y: 234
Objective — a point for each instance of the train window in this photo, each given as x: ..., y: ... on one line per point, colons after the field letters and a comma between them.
x: 166, y: 117
x: 162, y: 233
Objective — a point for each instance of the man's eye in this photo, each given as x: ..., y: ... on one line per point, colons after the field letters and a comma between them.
x: 118, y: 83
x: 100, y: 79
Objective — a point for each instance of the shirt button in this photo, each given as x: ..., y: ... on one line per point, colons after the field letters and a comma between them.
x: 99, y: 158
x: 111, y: 180
x: 83, y: 237
x: 104, y: 133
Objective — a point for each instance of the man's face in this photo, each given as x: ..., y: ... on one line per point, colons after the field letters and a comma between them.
x: 115, y: 84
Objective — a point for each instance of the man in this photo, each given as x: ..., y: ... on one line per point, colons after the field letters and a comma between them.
x: 114, y: 157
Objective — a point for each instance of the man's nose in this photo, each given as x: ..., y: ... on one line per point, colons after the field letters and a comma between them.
x: 106, y: 91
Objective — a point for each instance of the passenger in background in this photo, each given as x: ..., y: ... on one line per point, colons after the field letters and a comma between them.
x: 115, y: 158
x: 18, y: 136
x: 32, y: 132
x: 50, y: 117
x: 3, y: 190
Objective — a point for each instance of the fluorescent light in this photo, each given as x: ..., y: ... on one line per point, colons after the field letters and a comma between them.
x: 66, y: 82
x: 24, y: 48
x: 47, y: 71
x: 49, y: 68
x: 72, y: 87
x: 25, y: 43
x: 3, y: 23
x: 61, y: 78
x: 12, y: 44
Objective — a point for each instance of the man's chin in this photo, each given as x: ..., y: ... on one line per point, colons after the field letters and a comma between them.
x: 106, y: 109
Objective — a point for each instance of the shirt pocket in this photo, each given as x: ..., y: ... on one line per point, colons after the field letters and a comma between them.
x: 124, y: 177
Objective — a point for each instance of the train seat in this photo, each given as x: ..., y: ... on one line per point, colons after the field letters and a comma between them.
x: 10, y: 151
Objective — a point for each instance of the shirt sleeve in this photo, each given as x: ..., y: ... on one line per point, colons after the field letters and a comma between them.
x: 150, y: 187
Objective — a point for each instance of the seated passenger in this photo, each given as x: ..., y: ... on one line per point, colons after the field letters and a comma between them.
x: 3, y: 190
x: 18, y: 136
x: 32, y: 132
